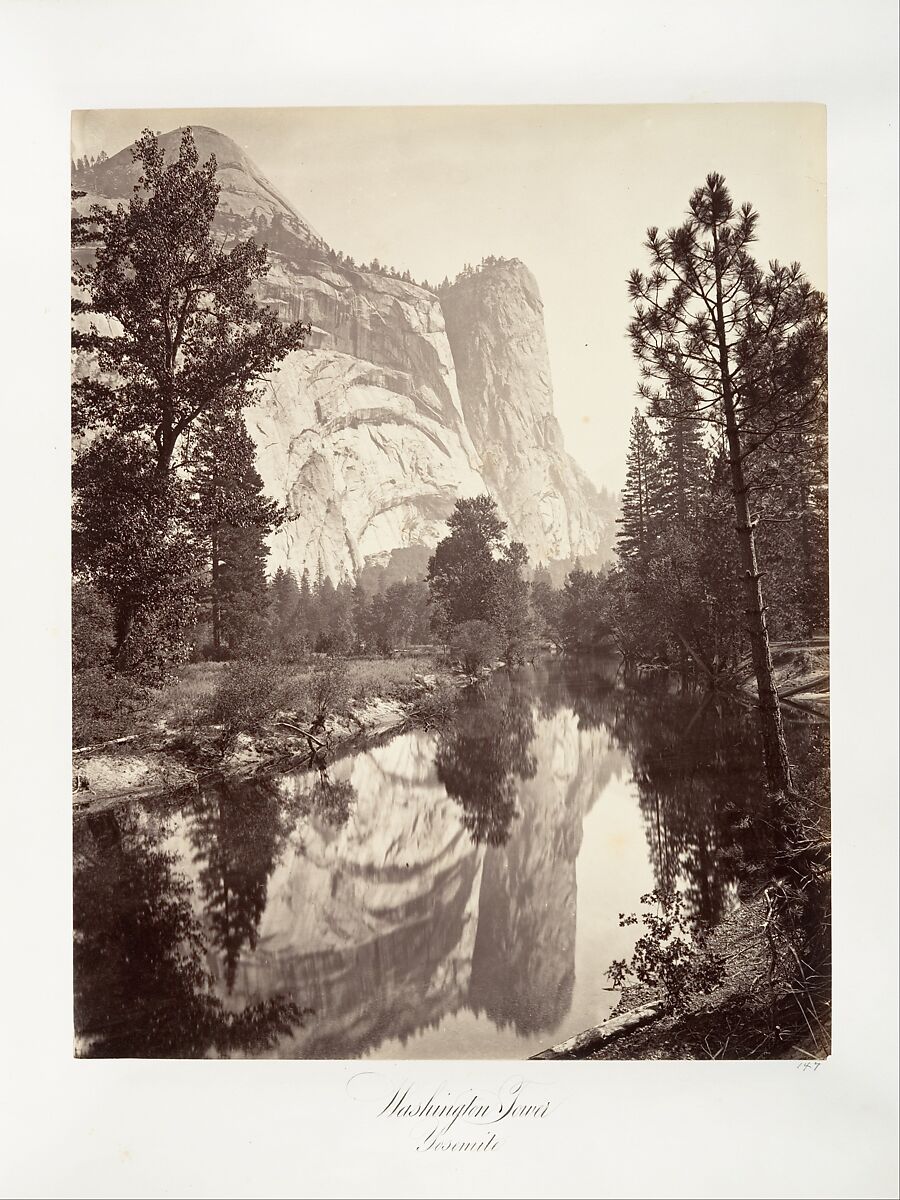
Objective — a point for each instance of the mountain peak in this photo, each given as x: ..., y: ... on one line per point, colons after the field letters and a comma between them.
x: 244, y: 188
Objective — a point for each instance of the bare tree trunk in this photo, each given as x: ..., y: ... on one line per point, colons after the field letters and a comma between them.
x: 215, y: 614
x: 778, y: 767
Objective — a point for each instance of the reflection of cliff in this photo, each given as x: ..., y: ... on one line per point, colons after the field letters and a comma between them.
x: 372, y: 924
x: 523, y: 969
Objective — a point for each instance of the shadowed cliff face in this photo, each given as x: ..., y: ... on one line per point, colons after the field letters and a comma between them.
x: 367, y: 436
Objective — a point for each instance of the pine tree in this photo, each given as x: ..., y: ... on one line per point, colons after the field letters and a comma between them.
x: 233, y: 517
x: 683, y: 470
x: 641, y: 494
x: 284, y: 602
x: 746, y: 347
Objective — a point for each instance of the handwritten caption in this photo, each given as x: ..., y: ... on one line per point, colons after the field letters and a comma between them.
x: 467, y: 1120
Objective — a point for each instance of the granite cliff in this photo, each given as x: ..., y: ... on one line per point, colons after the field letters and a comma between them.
x: 403, y: 400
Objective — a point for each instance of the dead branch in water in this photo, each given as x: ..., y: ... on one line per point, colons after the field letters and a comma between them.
x: 305, y: 732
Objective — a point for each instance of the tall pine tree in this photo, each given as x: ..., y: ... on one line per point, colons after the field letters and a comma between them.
x: 233, y: 518
x: 641, y: 494
x: 683, y: 470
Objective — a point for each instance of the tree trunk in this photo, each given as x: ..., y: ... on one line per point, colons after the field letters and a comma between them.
x: 125, y: 613
x: 778, y: 767
x: 214, y: 589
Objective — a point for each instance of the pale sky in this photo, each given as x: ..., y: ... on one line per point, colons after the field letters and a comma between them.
x: 570, y: 190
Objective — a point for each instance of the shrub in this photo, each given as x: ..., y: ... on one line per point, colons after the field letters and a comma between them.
x: 334, y: 641
x: 248, y: 693
x: 437, y: 706
x: 669, y: 956
x: 474, y: 644
x: 104, y: 705
x: 327, y: 689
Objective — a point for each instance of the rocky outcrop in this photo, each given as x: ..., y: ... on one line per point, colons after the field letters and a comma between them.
x: 403, y: 400
x: 245, y: 196
x: 495, y: 326
x: 362, y: 434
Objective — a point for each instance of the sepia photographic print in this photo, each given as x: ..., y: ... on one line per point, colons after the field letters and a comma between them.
x: 449, y: 451
x: 450, y: 638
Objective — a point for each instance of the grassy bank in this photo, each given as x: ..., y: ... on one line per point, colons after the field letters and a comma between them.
x: 194, y: 685
x: 238, y: 718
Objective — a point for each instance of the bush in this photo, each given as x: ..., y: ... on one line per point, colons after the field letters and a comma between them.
x: 334, y: 641
x: 248, y: 693
x: 327, y: 689
x: 437, y: 706
x: 670, y: 956
x: 104, y: 705
x: 474, y: 644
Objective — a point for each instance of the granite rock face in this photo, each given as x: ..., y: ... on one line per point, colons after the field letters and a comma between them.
x: 495, y: 326
x: 403, y: 399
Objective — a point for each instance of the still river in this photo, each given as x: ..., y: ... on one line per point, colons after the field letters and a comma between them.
x: 451, y: 894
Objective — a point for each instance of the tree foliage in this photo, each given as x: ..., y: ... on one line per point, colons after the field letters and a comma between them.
x: 743, y: 349
x: 170, y: 346
x: 476, y: 575
x: 178, y: 329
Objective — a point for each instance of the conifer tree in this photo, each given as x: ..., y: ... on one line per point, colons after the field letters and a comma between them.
x: 284, y: 600
x: 641, y: 494
x: 718, y: 336
x: 232, y: 519
x: 683, y: 463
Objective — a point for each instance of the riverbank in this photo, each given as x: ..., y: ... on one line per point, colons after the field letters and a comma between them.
x: 802, y: 673
x: 774, y: 998
x: 170, y: 749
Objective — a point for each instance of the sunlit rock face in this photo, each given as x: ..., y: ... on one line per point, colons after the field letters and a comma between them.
x: 495, y: 324
x: 245, y: 191
x: 402, y: 402
x: 362, y: 435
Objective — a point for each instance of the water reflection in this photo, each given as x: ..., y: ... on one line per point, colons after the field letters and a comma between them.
x: 483, y: 757
x: 421, y: 896
x: 141, y: 984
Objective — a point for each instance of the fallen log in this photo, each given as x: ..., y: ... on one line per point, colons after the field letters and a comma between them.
x: 589, y: 1039
x: 304, y: 732
x: 809, y: 685
x: 132, y: 737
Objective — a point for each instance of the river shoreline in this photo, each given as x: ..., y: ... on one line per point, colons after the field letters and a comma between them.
x: 157, y: 762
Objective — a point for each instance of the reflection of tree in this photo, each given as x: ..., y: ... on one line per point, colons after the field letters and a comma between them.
x: 697, y: 765
x: 141, y: 987
x: 330, y: 799
x: 696, y: 762
x: 237, y: 834
x: 481, y: 758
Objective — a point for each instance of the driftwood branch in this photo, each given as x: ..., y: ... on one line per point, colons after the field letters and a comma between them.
x: 132, y: 737
x: 305, y: 732
x: 583, y: 1043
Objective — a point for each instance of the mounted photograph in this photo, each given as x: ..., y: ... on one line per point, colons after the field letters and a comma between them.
x: 450, y: 604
